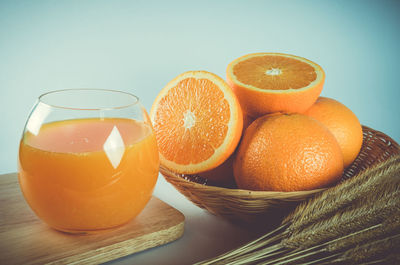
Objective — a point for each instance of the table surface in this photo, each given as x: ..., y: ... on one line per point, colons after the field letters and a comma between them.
x: 205, y: 235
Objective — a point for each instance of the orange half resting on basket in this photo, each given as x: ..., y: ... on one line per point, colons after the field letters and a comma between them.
x: 275, y: 82
x: 198, y: 122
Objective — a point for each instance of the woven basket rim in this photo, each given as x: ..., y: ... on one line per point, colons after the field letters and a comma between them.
x: 236, y: 192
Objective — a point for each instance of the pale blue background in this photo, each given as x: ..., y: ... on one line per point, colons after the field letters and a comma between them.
x: 138, y: 46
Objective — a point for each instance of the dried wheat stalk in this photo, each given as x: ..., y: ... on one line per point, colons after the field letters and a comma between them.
x: 337, y: 226
x: 344, y: 194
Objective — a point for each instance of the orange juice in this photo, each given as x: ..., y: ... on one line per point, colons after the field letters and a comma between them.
x: 88, y: 174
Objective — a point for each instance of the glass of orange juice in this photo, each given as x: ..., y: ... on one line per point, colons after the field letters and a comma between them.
x: 88, y: 159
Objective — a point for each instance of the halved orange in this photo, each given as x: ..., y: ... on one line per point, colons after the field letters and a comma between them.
x: 198, y: 122
x: 275, y: 82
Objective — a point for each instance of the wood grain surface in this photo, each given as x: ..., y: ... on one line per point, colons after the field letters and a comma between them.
x: 24, y: 239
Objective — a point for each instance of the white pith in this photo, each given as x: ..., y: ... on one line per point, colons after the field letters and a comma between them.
x: 189, y: 119
x: 273, y: 71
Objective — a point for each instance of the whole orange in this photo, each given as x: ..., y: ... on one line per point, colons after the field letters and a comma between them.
x: 342, y: 123
x: 287, y: 152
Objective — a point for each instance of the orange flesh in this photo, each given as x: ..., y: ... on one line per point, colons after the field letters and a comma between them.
x: 68, y: 180
x: 285, y: 73
x: 203, y: 125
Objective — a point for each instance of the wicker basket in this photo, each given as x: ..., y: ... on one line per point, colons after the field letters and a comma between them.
x: 253, y: 206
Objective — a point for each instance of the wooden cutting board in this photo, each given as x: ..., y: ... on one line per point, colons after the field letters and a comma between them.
x: 24, y: 239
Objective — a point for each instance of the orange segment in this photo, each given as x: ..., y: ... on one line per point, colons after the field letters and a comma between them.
x: 198, y: 122
x: 274, y: 82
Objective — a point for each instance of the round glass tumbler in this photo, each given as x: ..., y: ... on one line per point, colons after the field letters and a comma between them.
x: 88, y: 159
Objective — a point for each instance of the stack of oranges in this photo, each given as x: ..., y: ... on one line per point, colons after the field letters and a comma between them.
x: 265, y: 128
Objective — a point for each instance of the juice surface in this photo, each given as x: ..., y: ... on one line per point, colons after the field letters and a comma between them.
x: 88, y: 174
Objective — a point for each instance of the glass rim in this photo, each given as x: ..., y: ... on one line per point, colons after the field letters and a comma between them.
x: 41, y: 99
